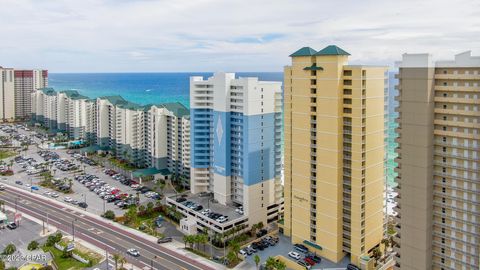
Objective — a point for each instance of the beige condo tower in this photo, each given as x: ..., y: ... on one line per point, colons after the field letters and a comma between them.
x: 334, y: 153
x: 438, y: 185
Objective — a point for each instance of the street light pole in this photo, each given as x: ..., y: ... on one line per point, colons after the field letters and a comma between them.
x: 73, y: 229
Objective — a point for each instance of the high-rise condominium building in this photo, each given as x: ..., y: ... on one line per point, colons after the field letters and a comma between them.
x: 236, y: 143
x: 438, y: 219
x: 334, y: 153
x: 7, y: 94
x: 26, y: 82
x: 155, y: 136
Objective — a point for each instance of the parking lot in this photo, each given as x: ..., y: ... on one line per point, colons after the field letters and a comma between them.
x: 93, y: 188
x: 283, y: 246
x: 26, y: 231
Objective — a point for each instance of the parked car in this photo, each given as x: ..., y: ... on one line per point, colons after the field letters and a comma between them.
x: 83, y: 205
x: 352, y: 267
x: 294, y: 255
x: 309, y: 261
x: 12, y: 226
x: 243, y: 252
x: 180, y: 199
x: 164, y: 240
x: 2, y: 187
x: 18, y: 182
x: 301, y: 248
x: 304, y: 264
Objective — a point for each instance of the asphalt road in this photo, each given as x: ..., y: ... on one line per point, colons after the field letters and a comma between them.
x: 99, y: 233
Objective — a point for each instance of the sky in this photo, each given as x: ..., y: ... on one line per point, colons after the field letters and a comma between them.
x: 226, y: 35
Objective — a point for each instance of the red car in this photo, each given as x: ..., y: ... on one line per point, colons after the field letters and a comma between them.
x: 309, y: 261
x: 121, y: 196
x: 115, y: 191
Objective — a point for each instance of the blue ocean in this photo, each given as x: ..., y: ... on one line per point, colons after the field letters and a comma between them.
x: 141, y: 88
x: 147, y: 88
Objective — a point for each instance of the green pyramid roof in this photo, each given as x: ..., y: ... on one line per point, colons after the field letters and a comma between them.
x: 48, y: 91
x: 305, y: 51
x: 332, y: 50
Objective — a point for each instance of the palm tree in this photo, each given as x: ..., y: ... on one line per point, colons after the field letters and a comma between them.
x: 270, y: 263
x: 256, y: 259
x: 123, y: 261
x: 116, y: 258
x: 385, y: 243
x: 235, y: 247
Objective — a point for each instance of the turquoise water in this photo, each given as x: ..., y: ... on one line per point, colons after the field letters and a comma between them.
x: 141, y: 88
x: 145, y: 88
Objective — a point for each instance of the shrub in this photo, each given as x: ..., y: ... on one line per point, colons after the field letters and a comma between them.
x: 109, y: 215
x: 32, y: 245
x: 9, y: 249
x: 54, y: 238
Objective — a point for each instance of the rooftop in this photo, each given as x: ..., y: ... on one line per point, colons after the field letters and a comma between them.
x: 329, y: 50
x: 73, y: 94
x: 305, y: 51
x: 332, y: 50
x: 48, y: 91
x: 208, y: 202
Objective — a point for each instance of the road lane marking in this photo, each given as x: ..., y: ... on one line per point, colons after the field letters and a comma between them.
x: 114, y: 231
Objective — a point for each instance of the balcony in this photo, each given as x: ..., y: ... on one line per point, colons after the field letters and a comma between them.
x: 457, y: 76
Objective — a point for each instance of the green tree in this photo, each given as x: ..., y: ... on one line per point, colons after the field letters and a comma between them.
x: 231, y: 257
x: 122, y: 261
x: 235, y: 248
x: 131, y: 215
x: 66, y: 253
x: 141, y: 208
x: 256, y: 259
x: 385, y: 243
x: 377, y: 254
x: 2, y: 265
x: 149, y: 207
x: 32, y: 245
x: 9, y: 249
x: 274, y: 264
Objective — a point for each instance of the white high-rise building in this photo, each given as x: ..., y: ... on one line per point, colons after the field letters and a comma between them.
x: 236, y: 127
x: 155, y: 136
x: 27, y: 82
x: 7, y: 94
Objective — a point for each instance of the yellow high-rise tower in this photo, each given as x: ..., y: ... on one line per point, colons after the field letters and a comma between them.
x: 334, y: 153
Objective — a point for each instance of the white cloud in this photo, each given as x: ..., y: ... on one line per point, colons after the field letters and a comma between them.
x: 234, y: 35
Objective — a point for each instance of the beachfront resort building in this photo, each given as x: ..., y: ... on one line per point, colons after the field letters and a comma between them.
x: 27, y: 82
x: 235, y: 143
x: 334, y: 154
x: 16, y: 87
x: 146, y: 136
x: 438, y: 220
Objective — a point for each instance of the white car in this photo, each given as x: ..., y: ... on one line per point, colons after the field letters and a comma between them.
x: 222, y: 219
x: 133, y: 252
x: 294, y: 255
x: 243, y: 252
x: 67, y: 199
x: 54, y: 195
